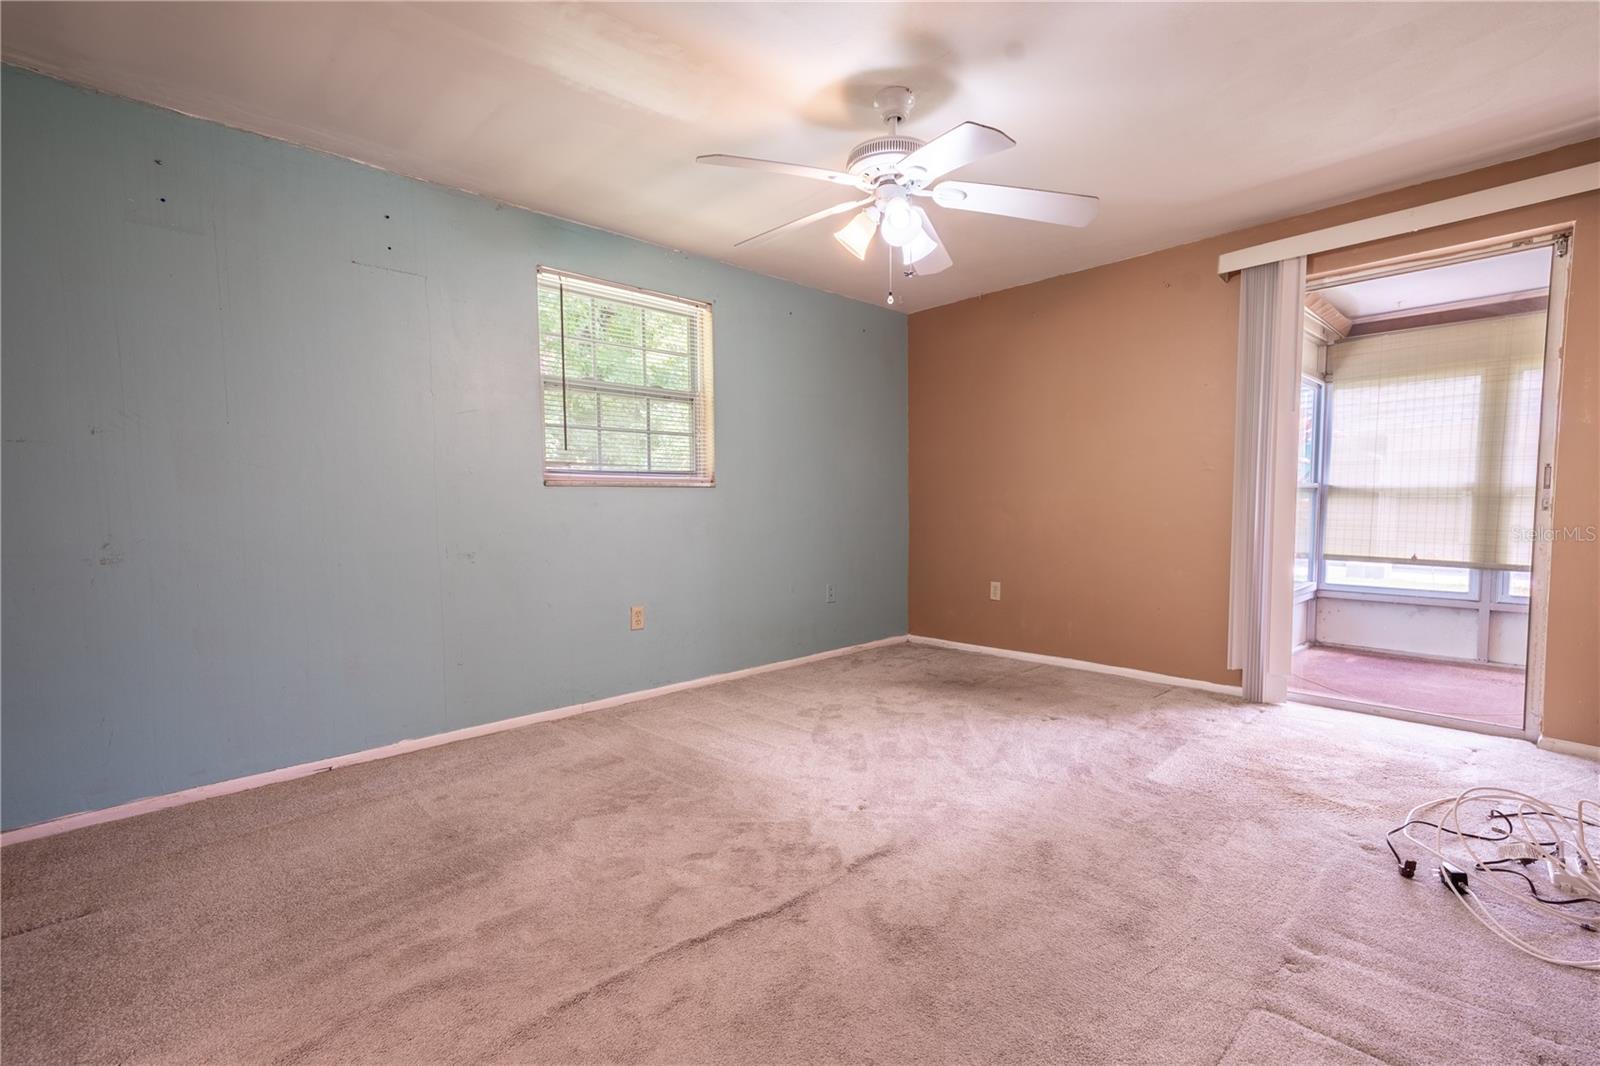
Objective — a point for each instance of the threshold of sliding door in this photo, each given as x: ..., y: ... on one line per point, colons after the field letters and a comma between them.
x: 1319, y: 699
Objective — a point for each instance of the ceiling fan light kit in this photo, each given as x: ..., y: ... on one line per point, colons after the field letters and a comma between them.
x: 900, y: 222
x: 923, y: 242
x: 893, y: 168
x: 857, y: 233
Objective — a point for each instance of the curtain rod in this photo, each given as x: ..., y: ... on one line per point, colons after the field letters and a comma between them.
x: 1553, y: 186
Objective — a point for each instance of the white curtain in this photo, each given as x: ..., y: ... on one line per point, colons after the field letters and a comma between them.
x: 1261, y: 585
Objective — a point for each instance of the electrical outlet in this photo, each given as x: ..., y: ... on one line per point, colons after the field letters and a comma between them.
x: 994, y: 590
x: 636, y: 616
x: 828, y: 595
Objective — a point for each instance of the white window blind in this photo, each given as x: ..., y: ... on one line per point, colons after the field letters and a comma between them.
x: 1434, y: 444
x: 627, y: 384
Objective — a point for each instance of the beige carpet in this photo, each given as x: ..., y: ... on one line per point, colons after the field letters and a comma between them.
x: 907, y: 855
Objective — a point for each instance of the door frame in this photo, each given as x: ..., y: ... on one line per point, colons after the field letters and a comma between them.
x: 1555, y: 337
x: 1560, y: 238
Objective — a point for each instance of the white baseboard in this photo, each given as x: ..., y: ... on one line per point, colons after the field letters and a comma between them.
x: 68, y: 822
x: 1081, y: 664
x: 1571, y: 747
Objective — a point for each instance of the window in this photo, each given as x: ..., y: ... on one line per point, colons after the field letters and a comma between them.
x: 1400, y: 577
x: 1434, y: 445
x: 1514, y: 586
x: 626, y: 380
x: 1309, y: 479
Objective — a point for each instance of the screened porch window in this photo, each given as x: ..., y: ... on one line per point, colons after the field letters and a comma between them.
x: 1433, y: 454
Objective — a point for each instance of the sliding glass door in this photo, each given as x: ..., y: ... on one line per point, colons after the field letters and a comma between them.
x: 1425, y: 429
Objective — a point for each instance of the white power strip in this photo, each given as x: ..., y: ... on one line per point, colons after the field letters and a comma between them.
x: 1568, y: 871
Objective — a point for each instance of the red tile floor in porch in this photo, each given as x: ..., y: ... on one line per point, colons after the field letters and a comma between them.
x: 1489, y: 694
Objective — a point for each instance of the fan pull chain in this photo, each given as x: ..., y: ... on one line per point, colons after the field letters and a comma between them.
x: 891, y: 274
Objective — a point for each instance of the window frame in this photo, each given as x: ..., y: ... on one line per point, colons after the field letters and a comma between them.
x: 701, y: 396
x: 1305, y: 588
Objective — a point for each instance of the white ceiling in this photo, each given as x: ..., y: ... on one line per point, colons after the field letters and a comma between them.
x: 1187, y: 120
x: 1476, y: 279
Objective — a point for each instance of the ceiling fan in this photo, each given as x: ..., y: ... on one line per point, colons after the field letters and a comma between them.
x: 894, y: 170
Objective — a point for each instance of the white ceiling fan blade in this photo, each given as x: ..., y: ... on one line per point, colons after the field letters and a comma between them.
x: 962, y: 145
x: 1062, y: 208
x: 798, y: 170
x: 818, y: 216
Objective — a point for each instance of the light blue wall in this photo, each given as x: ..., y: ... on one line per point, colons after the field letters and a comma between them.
x: 272, y: 464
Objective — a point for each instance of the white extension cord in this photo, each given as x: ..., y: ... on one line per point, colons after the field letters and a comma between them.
x: 1550, y: 836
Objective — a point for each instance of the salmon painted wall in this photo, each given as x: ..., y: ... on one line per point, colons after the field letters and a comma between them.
x: 1073, y: 439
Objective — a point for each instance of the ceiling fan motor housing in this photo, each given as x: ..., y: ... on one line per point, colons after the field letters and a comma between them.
x: 880, y: 155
